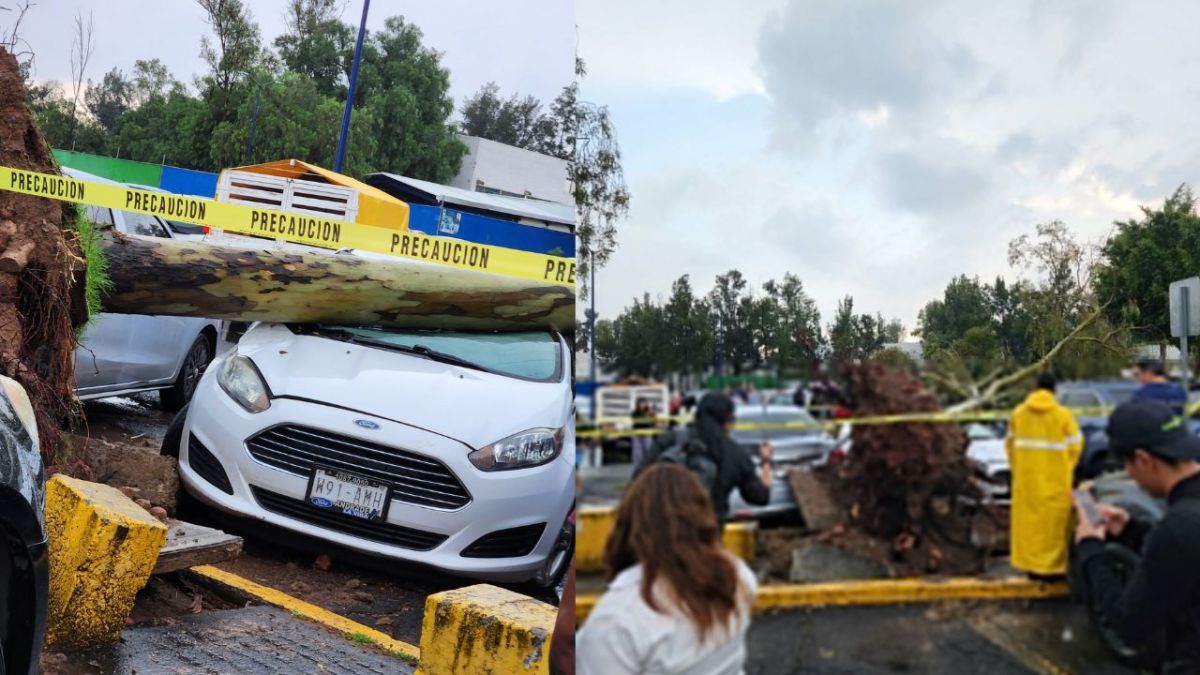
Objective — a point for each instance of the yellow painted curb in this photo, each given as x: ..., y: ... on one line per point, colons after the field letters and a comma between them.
x: 885, y: 592
x: 486, y: 630
x: 103, y: 548
x: 309, y: 611
x: 595, y: 523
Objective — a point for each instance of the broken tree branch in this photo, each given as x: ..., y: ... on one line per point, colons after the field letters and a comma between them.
x: 993, y: 390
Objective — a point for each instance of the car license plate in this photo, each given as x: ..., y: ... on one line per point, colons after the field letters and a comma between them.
x: 349, y: 493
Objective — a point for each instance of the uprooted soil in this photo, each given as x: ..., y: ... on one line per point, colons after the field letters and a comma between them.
x: 905, y: 492
x: 41, y: 271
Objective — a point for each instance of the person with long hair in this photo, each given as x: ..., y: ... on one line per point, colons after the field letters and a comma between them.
x: 677, y: 601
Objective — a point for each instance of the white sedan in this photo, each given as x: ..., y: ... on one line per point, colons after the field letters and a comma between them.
x: 451, y: 449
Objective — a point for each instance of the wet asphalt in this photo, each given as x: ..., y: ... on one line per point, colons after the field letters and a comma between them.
x: 1011, y: 638
x: 250, y: 640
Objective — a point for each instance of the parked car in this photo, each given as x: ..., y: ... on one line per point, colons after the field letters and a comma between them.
x: 793, y: 449
x: 451, y: 449
x: 128, y: 353
x: 24, y: 560
x: 985, y: 447
x: 1096, y: 458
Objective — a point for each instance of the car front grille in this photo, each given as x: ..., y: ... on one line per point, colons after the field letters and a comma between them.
x: 206, y: 465
x: 416, y: 479
x: 384, y: 533
x: 511, y: 543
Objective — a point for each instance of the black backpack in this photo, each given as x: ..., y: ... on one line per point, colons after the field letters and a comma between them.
x: 690, y: 452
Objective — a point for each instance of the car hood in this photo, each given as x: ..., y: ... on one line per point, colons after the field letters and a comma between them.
x: 989, y: 452
x: 470, y: 406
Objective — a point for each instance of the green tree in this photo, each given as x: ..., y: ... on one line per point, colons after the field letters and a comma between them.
x: 235, y: 47
x: 964, y: 305
x: 734, y: 341
x: 688, y: 328
x: 588, y: 140
x: 109, y: 99
x: 1011, y: 320
x: 318, y: 45
x: 172, y: 128
x: 1142, y: 258
x: 404, y: 85
x: 151, y: 78
x: 798, y: 340
x: 842, y: 337
x: 632, y: 344
x: 518, y: 121
x: 296, y: 120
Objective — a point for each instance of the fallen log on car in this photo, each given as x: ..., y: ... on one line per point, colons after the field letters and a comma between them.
x: 193, y: 278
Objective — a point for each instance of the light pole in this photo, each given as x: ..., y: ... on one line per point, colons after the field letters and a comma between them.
x: 592, y: 331
x: 341, y: 149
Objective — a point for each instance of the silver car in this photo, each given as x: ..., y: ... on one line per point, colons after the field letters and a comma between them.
x: 798, y: 448
x: 128, y: 353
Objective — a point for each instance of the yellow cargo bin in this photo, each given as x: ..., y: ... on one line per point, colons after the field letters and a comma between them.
x: 373, y: 206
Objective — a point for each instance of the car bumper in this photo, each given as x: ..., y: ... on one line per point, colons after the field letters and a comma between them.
x: 498, y: 500
x: 782, y: 503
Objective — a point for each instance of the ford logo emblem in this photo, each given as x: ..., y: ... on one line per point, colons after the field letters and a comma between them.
x: 366, y: 424
x: 322, y: 502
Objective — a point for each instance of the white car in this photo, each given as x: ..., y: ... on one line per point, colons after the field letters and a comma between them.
x: 985, y: 448
x: 451, y: 449
x: 122, y: 354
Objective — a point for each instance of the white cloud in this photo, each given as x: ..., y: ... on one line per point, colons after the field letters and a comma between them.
x: 703, y: 45
x: 926, y: 134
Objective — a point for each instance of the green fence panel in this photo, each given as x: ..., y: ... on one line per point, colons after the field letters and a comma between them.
x: 119, y: 170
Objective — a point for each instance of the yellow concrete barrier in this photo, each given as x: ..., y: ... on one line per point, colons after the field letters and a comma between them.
x: 884, y: 592
x: 596, y: 522
x: 102, y: 550
x: 485, y: 630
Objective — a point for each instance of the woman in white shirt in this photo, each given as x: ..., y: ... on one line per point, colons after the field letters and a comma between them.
x: 677, y: 601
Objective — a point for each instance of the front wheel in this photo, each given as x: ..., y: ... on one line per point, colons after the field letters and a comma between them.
x: 559, y: 560
x: 198, y: 357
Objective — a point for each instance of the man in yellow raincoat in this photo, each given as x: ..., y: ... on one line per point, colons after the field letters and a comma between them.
x: 1043, y: 445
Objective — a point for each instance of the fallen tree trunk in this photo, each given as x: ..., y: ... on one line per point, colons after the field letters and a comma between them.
x: 189, y: 278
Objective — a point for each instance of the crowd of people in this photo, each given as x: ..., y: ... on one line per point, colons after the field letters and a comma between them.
x: 678, y: 602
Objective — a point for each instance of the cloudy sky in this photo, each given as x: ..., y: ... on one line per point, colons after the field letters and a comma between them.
x: 879, y: 148
x: 526, y: 46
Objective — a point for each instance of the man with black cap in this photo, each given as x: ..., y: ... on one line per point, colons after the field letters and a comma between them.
x: 1164, y: 593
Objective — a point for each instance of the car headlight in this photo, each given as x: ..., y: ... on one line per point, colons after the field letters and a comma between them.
x: 242, y: 381
x: 520, y: 451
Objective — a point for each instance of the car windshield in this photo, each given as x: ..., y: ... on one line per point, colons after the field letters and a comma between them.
x: 529, y: 355
x: 185, y: 228
x: 797, y: 416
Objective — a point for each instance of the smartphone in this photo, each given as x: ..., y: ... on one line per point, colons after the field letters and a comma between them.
x: 1088, y: 504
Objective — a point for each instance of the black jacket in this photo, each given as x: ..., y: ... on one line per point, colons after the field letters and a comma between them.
x: 736, y: 470
x: 1164, y: 593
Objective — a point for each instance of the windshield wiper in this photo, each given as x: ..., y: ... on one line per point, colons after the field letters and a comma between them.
x: 418, y: 350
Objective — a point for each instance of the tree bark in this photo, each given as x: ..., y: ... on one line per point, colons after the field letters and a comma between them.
x: 189, y: 278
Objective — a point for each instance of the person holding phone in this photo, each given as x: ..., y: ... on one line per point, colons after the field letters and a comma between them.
x: 1164, y: 593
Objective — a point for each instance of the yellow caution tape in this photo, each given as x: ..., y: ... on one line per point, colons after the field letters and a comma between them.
x: 298, y: 228
x: 583, y: 431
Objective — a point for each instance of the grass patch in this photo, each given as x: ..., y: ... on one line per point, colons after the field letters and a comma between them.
x: 98, y: 281
x: 362, y: 639
x: 403, y: 656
